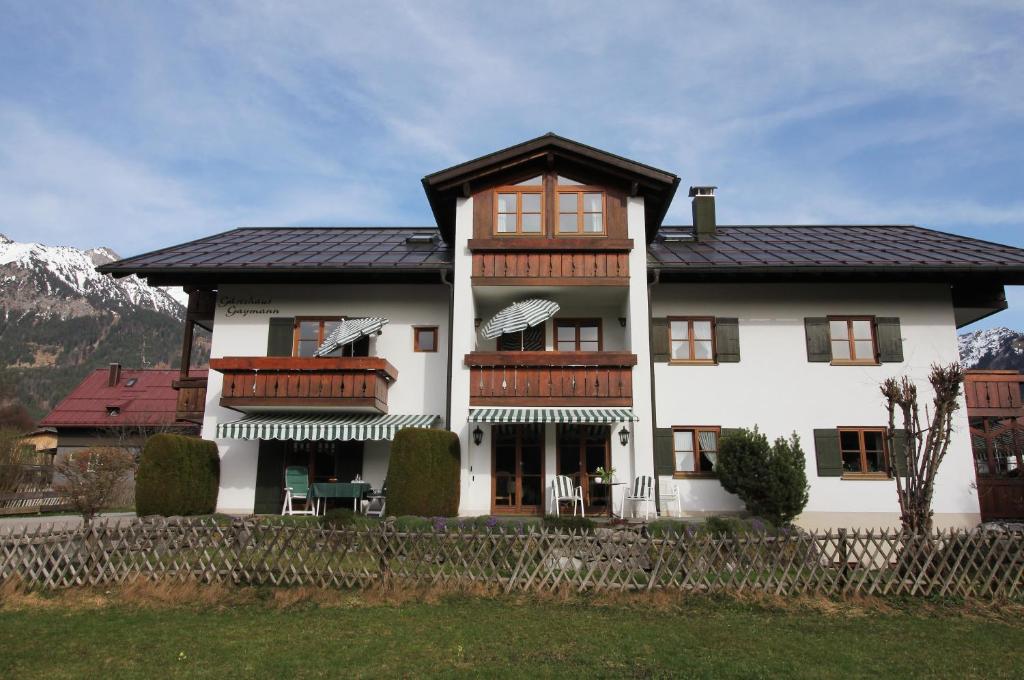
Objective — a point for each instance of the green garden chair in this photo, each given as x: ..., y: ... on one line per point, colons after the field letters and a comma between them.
x: 296, y: 488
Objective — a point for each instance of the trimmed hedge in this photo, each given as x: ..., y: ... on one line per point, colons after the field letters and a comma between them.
x: 423, y: 473
x: 177, y: 476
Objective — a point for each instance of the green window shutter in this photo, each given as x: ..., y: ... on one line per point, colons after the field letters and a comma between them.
x: 664, y: 456
x: 890, y: 339
x: 898, y: 455
x: 269, y: 478
x: 727, y: 340
x: 280, y: 336
x: 826, y: 450
x: 819, y: 347
x: 659, y: 341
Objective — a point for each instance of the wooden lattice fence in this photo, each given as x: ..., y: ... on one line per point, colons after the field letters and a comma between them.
x: 517, y: 558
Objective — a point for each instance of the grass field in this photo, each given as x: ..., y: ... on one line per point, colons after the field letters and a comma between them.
x: 216, y: 633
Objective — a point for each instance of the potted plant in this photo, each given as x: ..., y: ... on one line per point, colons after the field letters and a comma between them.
x: 606, y: 475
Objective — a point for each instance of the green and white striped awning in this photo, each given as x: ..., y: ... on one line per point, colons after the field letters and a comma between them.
x: 342, y: 427
x: 551, y: 415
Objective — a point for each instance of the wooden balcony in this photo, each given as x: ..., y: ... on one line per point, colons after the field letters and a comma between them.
x: 550, y: 262
x: 191, y: 398
x: 312, y: 384
x: 551, y: 378
x: 994, y: 393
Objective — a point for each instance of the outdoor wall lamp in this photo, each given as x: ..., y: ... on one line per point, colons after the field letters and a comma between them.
x: 624, y: 435
x: 622, y: 321
x: 478, y: 435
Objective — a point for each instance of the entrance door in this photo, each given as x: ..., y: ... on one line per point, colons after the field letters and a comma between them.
x: 581, y: 450
x: 998, y: 444
x: 517, y: 463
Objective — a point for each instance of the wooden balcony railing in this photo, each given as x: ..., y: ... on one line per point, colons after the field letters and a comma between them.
x: 994, y: 393
x: 550, y: 262
x: 263, y: 383
x: 551, y: 378
x: 191, y: 398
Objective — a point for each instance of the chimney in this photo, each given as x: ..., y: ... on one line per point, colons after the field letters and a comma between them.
x: 114, y: 376
x: 703, y: 212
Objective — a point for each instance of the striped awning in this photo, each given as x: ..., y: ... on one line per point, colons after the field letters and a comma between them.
x: 519, y: 316
x: 551, y: 415
x: 342, y: 427
x: 348, y: 331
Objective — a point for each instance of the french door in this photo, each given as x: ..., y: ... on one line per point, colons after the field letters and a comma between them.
x: 581, y: 450
x: 517, y: 464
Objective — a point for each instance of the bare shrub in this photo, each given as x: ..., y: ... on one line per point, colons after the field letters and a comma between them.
x: 91, y: 479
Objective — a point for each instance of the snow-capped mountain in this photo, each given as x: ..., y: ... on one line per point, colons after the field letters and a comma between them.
x: 996, y: 348
x: 62, y: 281
x: 60, y: 319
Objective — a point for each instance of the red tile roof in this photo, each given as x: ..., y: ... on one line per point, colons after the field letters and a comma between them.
x: 150, y: 400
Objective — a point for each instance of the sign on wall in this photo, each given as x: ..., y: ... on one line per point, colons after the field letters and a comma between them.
x: 245, y: 306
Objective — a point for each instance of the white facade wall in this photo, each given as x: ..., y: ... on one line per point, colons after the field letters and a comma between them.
x: 776, y: 388
x: 422, y: 376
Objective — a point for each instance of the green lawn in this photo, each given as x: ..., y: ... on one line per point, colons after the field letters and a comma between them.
x: 463, y: 636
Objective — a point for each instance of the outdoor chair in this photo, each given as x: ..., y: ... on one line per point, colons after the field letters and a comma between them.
x: 296, y: 488
x: 562, y: 489
x: 642, y: 491
x: 670, y: 492
x: 378, y: 501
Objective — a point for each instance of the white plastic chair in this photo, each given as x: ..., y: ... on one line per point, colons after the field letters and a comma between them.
x: 642, y: 491
x: 670, y: 492
x: 562, y: 489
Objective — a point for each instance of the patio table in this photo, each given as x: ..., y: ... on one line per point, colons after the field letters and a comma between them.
x: 353, y: 490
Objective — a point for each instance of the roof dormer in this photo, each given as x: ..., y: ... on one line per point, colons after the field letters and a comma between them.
x: 550, y: 186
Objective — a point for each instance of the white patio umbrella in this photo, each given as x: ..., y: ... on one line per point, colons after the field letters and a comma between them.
x: 519, y: 316
x: 348, y: 331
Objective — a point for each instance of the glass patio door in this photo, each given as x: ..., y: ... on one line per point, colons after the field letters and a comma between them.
x: 581, y: 450
x: 518, y: 469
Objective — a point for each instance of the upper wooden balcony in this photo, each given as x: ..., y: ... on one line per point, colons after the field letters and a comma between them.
x: 314, y: 384
x: 580, y: 261
x: 551, y: 378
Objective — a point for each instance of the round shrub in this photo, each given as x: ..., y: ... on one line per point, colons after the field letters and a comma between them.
x: 770, y: 479
x: 423, y: 473
x: 177, y: 476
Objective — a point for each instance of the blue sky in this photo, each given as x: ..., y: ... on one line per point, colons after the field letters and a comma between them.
x: 138, y: 125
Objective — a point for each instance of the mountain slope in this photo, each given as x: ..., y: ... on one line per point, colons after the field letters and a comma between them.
x: 995, y: 348
x: 59, y: 319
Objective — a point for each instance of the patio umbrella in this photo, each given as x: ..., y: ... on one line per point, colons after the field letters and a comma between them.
x: 348, y: 331
x: 519, y: 316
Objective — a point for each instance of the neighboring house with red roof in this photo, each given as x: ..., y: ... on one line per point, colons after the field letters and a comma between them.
x: 117, y: 407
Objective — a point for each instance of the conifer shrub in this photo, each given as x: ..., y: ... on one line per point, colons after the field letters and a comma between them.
x: 771, y: 479
x: 423, y: 473
x: 177, y: 475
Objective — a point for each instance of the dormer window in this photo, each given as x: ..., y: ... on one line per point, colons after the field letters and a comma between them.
x: 580, y: 212
x: 520, y: 207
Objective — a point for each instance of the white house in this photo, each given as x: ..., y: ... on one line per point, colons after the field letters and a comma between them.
x: 660, y: 337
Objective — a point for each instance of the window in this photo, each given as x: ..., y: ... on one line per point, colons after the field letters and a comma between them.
x: 853, y: 339
x: 424, y: 339
x: 692, y: 340
x: 578, y: 335
x: 310, y: 333
x: 113, y: 410
x: 864, y: 451
x: 519, y: 208
x: 580, y: 212
x: 695, y: 449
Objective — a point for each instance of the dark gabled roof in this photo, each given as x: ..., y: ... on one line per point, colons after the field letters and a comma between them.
x: 323, y: 251
x: 142, y: 397
x: 786, y: 249
x: 444, y: 187
x: 336, y: 254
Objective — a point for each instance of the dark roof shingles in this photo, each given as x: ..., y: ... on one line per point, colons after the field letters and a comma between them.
x: 828, y: 246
